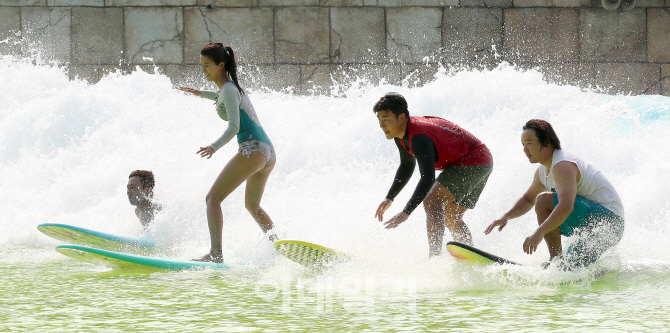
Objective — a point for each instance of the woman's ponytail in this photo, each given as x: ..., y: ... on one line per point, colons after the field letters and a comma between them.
x: 231, y: 67
x: 219, y: 53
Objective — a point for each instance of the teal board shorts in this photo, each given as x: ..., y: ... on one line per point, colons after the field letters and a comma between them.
x: 465, y: 182
x: 597, y: 229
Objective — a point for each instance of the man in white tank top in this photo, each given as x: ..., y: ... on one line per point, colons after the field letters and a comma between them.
x: 570, y: 197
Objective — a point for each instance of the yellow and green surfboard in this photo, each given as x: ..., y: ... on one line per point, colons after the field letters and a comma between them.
x: 308, y: 254
x: 472, y: 254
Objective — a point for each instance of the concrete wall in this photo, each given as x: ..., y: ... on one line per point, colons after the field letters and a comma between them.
x: 306, y: 44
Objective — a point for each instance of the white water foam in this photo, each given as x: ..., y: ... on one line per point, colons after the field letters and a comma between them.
x: 67, y: 147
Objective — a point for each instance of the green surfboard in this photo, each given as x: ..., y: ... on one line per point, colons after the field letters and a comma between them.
x: 131, y: 261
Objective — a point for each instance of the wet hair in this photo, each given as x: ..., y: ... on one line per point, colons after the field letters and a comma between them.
x: 393, y: 102
x: 146, y: 177
x: 219, y: 53
x: 544, y: 132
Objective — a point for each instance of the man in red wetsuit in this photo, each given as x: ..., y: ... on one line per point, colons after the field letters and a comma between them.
x: 435, y: 144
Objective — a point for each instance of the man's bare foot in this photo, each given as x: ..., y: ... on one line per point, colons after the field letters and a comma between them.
x: 213, y: 256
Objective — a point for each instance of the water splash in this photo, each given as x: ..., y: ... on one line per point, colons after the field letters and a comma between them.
x: 67, y: 147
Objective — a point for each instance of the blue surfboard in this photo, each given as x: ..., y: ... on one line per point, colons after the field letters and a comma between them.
x: 101, y: 240
x: 131, y: 261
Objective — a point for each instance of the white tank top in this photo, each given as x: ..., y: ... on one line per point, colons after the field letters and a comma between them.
x: 592, y: 184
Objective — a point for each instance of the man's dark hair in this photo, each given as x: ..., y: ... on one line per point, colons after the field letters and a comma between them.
x: 544, y: 132
x: 146, y: 177
x: 393, y: 102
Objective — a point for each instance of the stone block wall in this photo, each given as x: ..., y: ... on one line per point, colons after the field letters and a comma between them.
x: 309, y: 44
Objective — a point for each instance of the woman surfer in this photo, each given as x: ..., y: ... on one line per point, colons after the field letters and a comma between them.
x: 255, y: 158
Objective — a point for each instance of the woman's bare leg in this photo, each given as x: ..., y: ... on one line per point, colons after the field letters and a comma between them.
x: 239, y: 169
x: 254, y: 194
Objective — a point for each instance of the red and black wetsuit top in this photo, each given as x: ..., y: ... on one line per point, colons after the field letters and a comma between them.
x: 434, y: 143
x: 454, y: 145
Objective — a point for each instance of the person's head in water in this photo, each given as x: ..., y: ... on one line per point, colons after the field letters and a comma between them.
x: 218, y: 60
x: 539, y: 140
x: 140, y: 188
x: 392, y: 114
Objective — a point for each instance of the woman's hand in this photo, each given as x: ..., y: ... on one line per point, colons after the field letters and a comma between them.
x: 206, y: 152
x: 191, y: 90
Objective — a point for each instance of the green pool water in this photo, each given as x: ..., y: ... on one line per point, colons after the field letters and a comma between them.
x: 43, y: 291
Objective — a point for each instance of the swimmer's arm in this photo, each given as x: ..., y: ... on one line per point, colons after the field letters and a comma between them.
x: 423, y: 148
x: 565, y: 177
x: 404, y: 173
x: 230, y: 97
x: 522, y: 205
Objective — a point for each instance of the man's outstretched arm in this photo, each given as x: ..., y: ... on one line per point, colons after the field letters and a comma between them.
x: 521, y: 206
x: 424, y: 151
x: 404, y: 173
x: 402, y: 176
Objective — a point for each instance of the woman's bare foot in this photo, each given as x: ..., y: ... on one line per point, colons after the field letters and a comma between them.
x: 212, y: 256
x: 272, y: 235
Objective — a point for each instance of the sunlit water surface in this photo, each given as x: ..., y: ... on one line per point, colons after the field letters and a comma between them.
x: 67, y: 147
